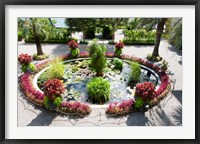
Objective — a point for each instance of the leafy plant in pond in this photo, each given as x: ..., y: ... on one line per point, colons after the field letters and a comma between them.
x: 98, y: 59
x: 25, y: 60
x: 117, y: 63
x: 135, y: 71
x: 118, y: 49
x: 93, y: 46
x: 56, y: 70
x: 98, y: 90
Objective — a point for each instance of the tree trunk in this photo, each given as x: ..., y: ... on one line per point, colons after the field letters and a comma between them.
x: 159, y: 32
x: 37, y: 42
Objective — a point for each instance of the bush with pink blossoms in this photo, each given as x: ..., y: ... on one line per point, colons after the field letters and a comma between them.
x: 164, y: 84
x: 117, y: 108
x: 29, y: 90
x: 76, y: 108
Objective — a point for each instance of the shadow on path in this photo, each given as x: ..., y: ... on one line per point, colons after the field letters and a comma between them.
x: 178, y: 95
x: 136, y: 119
x: 45, y: 118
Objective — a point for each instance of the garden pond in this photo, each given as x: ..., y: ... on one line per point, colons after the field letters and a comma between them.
x: 78, y: 73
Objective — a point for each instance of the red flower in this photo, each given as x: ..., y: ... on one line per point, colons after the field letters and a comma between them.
x: 53, y: 88
x: 73, y: 44
x: 145, y: 90
x: 24, y: 59
x: 119, y: 45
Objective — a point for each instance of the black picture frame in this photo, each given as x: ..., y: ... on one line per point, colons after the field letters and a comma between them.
x: 4, y: 3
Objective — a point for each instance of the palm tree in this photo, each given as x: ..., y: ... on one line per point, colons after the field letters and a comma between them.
x: 39, y: 28
x: 151, y: 23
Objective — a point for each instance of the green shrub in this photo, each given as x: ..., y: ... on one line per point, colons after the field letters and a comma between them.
x: 90, y: 33
x: 117, y: 63
x: 74, y: 52
x: 93, y: 46
x: 118, y: 52
x: 107, y: 32
x: 28, y: 67
x: 56, y: 70
x: 40, y: 57
x: 98, y: 90
x: 98, y: 60
x: 52, y: 104
x: 20, y: 35
x: 139, y: 36
x: 135, y: 71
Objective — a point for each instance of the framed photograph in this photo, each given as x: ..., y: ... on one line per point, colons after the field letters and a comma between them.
x: 99, y: 71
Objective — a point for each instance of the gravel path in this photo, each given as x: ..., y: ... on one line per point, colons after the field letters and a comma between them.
x: 167, y: 113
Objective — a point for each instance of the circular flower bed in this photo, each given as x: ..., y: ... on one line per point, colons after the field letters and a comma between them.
x: 146, y: 96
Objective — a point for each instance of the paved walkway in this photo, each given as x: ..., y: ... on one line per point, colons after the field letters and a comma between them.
x: 167, y: 113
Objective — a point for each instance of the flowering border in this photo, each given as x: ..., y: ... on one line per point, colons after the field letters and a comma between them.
x: 114, y: 108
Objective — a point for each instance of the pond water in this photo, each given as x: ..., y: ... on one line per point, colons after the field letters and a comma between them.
x: 78, y: 73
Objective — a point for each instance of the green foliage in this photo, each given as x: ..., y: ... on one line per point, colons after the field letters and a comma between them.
x: 40, y: 57
x: 86, y: 25
x: 117, y: 63
x: 139, y: 102
x: 151, y: 57
x: 51, y: 41
x: 74, y: 52
x: 107, y: 32
x: 118, y: 52
x: 98, y: 58
x: 28, y: 67
x: 98, y: 90
x: 164, y: 65
x: 57, y: 102
x: 93, y: 46
x: 175, y: 33
x: 20, y: 35
x: 90, y: 33
x: 51, y: 104
x: 56, y: 70
x: 135, y: 71
x: 46, y: 102
x: 83, y: 42
x: 139, y: 36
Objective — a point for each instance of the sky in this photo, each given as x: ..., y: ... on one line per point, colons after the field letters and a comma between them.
x: 60, y: 22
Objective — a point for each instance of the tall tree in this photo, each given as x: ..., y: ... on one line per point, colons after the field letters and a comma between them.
x: 114, y: 23
x: 80, y: 24
x: 39, y: 28
x: 151, y: 23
